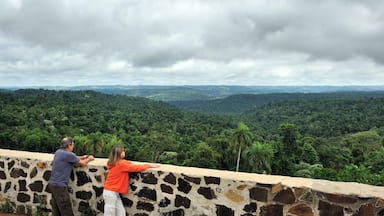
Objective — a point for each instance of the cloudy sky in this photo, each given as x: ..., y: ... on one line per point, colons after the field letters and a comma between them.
x: 191, y: 42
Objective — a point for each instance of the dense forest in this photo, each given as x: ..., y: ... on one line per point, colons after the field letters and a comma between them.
x: 316, y: 136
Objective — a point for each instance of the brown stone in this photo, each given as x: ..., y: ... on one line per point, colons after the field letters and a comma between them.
x: 276, y: 188
x: 327, y: 209
x: 336, y: 198
x: 271, y: 210
x: 241, y: 187
x: 366, y: 210
x: 285, y: 196
x: 379, y: 203
x: 42, y: 165
x: 259, y: 194
x: 233, y: 196
x: 301, y: 210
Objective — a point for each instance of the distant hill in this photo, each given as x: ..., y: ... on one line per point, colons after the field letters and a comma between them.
x: 205, y: 92
x: 237, y: 104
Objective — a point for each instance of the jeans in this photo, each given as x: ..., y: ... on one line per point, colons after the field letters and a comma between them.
x: 113, y: 206
x: 61, y: 202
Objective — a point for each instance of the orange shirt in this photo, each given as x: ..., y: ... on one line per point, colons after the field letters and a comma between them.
x: 118, y: 179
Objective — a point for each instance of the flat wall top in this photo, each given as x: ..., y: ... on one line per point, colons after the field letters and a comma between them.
x: 345, y: 188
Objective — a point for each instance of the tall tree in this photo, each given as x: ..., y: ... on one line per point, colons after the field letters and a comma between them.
x: 241, y: 138
x: 259, y: 157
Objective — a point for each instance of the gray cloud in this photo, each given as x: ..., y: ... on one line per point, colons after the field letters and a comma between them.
x: 299, y: 42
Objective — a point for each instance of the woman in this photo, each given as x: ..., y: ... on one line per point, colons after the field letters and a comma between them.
x: 117, y: 180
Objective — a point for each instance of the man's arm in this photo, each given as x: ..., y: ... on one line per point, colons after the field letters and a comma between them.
x: 85, y: 159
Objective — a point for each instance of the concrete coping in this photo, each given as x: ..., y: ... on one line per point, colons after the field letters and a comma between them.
x: 342, y: 188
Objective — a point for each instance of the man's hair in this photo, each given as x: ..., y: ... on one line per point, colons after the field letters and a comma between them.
x: 66, y: 142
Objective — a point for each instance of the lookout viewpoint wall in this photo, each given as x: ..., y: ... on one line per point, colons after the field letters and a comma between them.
x: 177, y: 191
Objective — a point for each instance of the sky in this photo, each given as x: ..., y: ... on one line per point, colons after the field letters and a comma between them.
x: 191, y: 42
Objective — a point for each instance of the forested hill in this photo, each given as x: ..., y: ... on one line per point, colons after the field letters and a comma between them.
x: 319, y: 117
x: 306, y: 135
x: 239, y: 103
x: 36, y: 120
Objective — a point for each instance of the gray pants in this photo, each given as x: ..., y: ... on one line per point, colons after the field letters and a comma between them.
x: 61, y: 202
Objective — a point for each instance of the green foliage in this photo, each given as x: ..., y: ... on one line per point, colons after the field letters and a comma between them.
x: 328, y: 136
x: 203, y: 156
x: 241, y: 138
x: 259, y: 158
x: 7, y: 206
x: 41, y: 210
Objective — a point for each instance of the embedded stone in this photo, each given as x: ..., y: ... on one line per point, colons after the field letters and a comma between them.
x: 98, y: 178
x: 259, y: 194
x: 82, y: 178
x: 41, y: 199
x: 251, y: 207
x: 33, y: 173
x: 207, y: 192
x: 22, y: 197
x: 301, y: 210
x: 182, y: 201
x: 178, y: 212
x: 192, y: 179
x: 336, y: 198
x: 145, y: 206
x: 149, y: 178
x: 11, y: 164
x: 285, y: 196
x: 170, y: 178
x: 98, y: 190
x: 16, y: 173
x: 83, y: 207
x: 2, y: 175
x: 164, y: 202
x: 276, y: 188
x: 327, y: 209
x: 224, y: 210
x: 235, y: 197
x: 36, y: 186
x: 42, y: 165
x: 379, y: 203
x: 7, y: 187
x: 47, y: 175
x: 271, y: 210
x: 84, y: 195
x: 184, y: 186
x: 133, y: 187
x: 366, y: 210
x: 166, y: 189
x: 148, y: 193
x: 93, y: 170
x: 307, y: 197
x: 140, y: 214
x: 100, y: 206
x: 127, y: 202
x: 241, y: 187
x: 22, y: 185
x: 211, y: 180
x: 24, y: 164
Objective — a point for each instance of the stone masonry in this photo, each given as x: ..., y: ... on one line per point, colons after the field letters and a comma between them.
x: 178, y: 191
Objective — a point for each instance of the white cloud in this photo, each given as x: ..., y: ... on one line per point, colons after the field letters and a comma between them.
x: 299, y: 42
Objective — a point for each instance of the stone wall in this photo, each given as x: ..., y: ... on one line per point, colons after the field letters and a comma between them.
x: 173, y: 190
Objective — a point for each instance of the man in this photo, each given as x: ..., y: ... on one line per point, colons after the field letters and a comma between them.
x: 63, y: 162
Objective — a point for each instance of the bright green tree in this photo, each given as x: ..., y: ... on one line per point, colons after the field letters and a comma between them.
x: 241, y: 138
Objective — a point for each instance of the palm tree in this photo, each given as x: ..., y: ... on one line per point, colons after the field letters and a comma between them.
x: 260, y: 157
x: 241, y: 138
